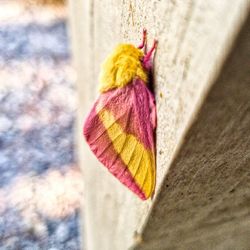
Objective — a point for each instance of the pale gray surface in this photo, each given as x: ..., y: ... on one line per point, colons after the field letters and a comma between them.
x: 194, y: 39
x: 205, y: 199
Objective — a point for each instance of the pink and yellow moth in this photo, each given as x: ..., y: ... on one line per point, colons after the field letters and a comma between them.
x: 120, y: 127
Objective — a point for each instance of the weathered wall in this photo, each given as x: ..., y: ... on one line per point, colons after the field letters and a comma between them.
x: 205, y: 198
x: 194, y: 39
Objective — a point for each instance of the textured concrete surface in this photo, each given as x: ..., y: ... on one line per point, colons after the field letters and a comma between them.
x: 204, y: 202
x: 194, y: 37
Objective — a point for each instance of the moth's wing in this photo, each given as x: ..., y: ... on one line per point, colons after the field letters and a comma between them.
x: 120, y: 131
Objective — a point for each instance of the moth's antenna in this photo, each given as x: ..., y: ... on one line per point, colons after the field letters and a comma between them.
x: 149, y: 54
x: 144, y: 38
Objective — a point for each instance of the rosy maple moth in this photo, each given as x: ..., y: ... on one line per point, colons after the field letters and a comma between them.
x: 120, y: 127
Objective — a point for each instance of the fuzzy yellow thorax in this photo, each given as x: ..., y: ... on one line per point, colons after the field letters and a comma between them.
x: 121, y: 67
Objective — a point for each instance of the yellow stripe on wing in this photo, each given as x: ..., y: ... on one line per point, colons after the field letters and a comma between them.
x: 140, y: 161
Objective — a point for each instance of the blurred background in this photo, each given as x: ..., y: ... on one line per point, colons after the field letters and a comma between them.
x: 40, y: 182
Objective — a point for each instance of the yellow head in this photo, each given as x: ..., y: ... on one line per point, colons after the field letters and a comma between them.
x: 121, y: 67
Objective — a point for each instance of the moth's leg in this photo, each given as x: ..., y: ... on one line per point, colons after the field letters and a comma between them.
x: 144, y: 39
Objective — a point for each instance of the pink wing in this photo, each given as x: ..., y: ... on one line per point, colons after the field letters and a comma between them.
x: 120, y: 132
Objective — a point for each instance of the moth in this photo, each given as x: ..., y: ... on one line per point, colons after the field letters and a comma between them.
x: 120, y: 126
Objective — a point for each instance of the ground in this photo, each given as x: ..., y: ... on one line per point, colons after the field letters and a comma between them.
x: 40, y: 183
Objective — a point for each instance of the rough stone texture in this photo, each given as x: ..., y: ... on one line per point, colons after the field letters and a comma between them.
x: 204, y: 201
x: 202, y: 141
